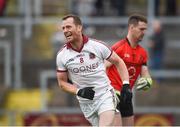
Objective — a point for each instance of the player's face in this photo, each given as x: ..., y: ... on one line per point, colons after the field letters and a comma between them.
x: 71, y: 31
x: 139, y: 31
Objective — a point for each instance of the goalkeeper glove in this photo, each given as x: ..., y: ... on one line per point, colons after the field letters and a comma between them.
x: 126, y: 94
x: 86, y: 92
x: 144, y: 83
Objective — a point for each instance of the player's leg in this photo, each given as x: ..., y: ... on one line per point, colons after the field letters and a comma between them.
x: 128, y: 121
x: 106, y: 109
x: 106, y: 118
x: 127, y: 114
x: 89, y: 111
x: 117, y: 119
x: 94, y: 120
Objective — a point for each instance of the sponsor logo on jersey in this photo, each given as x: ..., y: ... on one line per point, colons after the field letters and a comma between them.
x: 126, y: 55
x: 70, y: 60
x: 92, y: 56
x: 85, y: 69
x: 80, y: 55
x: 77, y: 56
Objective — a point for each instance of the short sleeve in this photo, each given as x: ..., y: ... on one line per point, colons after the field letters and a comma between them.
x: 145, y: 58
x: 106, y: 52
x: 60, y: 66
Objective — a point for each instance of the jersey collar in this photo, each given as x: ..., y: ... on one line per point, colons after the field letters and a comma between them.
x: 85, y: 40
x: 130, y: 43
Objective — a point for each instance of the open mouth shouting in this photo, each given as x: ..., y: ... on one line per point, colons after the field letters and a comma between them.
x: 68, y: 35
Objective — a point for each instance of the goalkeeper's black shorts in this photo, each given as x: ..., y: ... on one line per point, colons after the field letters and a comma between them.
x: 125, y: 109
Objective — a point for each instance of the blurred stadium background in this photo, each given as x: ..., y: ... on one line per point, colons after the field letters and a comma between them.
x: 29, y: 40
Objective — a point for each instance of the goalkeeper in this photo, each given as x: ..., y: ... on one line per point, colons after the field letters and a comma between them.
x: 135, y: 58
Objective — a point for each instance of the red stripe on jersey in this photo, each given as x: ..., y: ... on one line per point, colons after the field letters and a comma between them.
x: 61, y: 70
x: 85, y: 40
x: 109, y: 55
x: 105, y: 44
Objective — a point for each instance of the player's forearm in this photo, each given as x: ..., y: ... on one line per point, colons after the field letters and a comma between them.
x: 120, y: 65
x: 65, y: 86
x: 145, y: 72
x: 107, y: 64
x: 122, y: 69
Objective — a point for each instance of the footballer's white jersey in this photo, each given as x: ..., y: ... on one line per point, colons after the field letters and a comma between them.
x: 86, y: 67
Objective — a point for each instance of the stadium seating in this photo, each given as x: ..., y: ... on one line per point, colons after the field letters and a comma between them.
x: 19, y: 102
x: 24, y: 100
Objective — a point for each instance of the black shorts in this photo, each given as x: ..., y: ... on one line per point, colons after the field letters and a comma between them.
x: 126, y: 109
